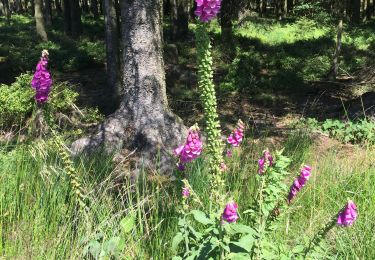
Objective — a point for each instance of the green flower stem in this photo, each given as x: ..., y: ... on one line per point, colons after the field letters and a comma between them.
x: 208, y: 98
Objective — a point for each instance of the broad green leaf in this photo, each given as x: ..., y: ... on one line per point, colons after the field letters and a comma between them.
x: 245, y: 242
x: 239, y: 256
x: 242, y: 229
x: 128, y: 223
x: 201, y: 217
x: 176, y: 241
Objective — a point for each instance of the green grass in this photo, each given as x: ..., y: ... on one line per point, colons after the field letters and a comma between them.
x: 39, y: 218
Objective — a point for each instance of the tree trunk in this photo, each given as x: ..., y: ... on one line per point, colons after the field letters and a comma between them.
x: 6, y: 10
x: 33, y: 7
x: 113, y: 51
x: 335, y: 64
x: 226, y: 20
x: 58, y: 7
x: 94, y: 8
x: 180, y: 18
x: 40, y: 28
x: 369, y: 9
x: 143, y: 121
x: 67, y: 20
x: 75, y: 18
x: 48, y: 12
x: 356, y: 11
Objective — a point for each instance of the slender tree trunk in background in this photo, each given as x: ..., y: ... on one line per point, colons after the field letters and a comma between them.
x: 285, y: 8
x: 58, y: 6
x: 369, y: 9
x: 40, y: 28
x: 143, y: 121
x: 75, y: 18
x: 335, y: 64
x: 94, y: 8
x: 349, y: 9
x: 113, y: 51
x: 278, y: 9
x: 19, y: 7
x: 67, y: 20
x: 33, y: 7
x: 101, y: 8
x: 356, y: 11
x: 26, y: 6
x: 226, y: 20
x: 290, y: 6
x: 180, y: 18
x: 264, y: 7
x: 48, y: 12
x: 85, y: 6
x: 6, y: 10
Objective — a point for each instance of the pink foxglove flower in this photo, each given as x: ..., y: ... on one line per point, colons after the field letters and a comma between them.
x: 223, y: 167
x: 42, y: 80
x: 237, y: 136
x: 230, y: 212
x: 264, y: 162
x: 185, y: 192
x: 229, y: 153
x: 207, y: 9
x: 300, y: 182
x: 348, y: 215
x: 191, y: 149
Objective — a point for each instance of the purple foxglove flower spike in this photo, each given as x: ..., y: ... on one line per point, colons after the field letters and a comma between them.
x: 207, y: 9
x: 348, y: 215
x: 191, y: 149
x: 300, y: 182
x: 42, y: 80
x: 264, y: 162
x: 230, y: 212
x: 237, y: 136
x: 185, y: 192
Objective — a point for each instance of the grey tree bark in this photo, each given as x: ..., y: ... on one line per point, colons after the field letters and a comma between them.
x: 143, y: 121
x: 39, y: 19
x: 113, y: 51
x: 48, y: 12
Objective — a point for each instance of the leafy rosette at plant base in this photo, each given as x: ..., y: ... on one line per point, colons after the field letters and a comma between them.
x: 300, y: 182
x: 42, y: 80
x: 190, y: 150
x: 207, y: 10
x: 348, y: 215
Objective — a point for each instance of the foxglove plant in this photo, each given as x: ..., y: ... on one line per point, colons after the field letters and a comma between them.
x: 299, y: 182
x: 206, y: 11
x: 42, y: 80
x: 264, y: 162
x: 348, y: 215
x: 235, y: 139
x: 190, y: 150
x: 230, y: 214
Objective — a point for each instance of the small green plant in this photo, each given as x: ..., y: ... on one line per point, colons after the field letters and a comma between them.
x: 17, y: 105
x: 356, y: 132
x: 112, y: 247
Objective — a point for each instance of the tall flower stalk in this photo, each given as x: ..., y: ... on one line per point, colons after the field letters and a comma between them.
x: 215, y: 145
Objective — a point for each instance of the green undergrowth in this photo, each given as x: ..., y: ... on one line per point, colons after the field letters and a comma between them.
x: 138, y: 218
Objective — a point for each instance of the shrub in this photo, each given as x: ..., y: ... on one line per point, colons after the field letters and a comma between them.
x: 17, y: 104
